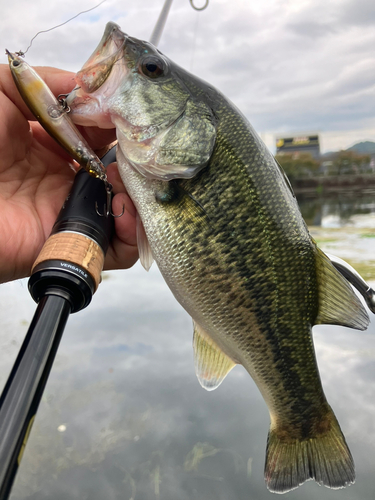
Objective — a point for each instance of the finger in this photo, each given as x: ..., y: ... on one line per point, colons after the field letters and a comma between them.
x: 47, y: 141
x: 59, y: 81
x: 126, y: 224
x: 63, y: 82
x: 15, y: 136
x: 123, y: 252
x: 115, y: 179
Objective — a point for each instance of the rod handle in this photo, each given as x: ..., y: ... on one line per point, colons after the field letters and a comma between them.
x: 76, y: 249
x: 71, y: 260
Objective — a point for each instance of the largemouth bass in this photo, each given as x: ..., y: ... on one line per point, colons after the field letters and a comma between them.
x: 218, y: 215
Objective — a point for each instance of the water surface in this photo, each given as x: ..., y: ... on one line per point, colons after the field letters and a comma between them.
x: 123, y: 416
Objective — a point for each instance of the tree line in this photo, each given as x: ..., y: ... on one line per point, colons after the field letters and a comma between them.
x: 298, y: 165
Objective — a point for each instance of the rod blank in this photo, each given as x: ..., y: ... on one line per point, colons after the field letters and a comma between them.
x: 27, y: 381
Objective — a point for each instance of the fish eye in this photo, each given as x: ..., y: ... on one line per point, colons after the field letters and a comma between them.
x: 15, y: 63
x: 153, y: 67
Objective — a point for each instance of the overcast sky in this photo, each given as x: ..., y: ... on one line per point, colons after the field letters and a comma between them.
x: 289, y: 65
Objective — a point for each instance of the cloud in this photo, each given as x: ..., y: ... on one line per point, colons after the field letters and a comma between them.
x: 311, y: 29
x: 358, y: 13
x: 285, y: 65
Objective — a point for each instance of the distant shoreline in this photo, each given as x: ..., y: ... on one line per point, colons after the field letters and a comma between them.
x: 334, y: 184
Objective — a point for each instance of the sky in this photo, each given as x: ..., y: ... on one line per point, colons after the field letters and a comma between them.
x: 291, y: 66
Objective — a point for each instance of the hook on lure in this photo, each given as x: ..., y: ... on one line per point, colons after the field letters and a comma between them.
x: 108, y: 206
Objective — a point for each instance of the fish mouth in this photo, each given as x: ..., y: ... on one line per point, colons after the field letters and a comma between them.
x: 98, y: 67
x: 108, y: 69
x: 112, y: 39
x: 92, y: 81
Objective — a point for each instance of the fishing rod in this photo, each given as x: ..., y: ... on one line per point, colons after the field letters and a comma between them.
x: 64, y: 278
x: 162, y: 19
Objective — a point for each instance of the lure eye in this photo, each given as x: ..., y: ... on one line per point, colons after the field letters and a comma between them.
x: 153, y: 67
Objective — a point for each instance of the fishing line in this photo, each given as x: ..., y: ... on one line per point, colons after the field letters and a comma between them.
x: 194, y: 41
x: 195, y: 31
x: 22, y: 54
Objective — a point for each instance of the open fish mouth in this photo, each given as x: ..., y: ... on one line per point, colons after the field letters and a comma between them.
x: 93, y: 82
x: 99, y: 65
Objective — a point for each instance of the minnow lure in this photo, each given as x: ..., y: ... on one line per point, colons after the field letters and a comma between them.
x: 53, y: 115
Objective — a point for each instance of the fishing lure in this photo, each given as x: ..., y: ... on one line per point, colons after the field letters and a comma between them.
x: 53, y: 115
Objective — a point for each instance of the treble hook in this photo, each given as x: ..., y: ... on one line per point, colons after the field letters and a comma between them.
x: 199, y: 8
x: 107, y: 212
x: 107, y: 206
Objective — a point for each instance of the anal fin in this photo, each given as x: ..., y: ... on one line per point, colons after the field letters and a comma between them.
x: 212, y: 365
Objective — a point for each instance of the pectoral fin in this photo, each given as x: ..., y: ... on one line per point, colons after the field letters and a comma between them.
x: 211, y: 364
x: 338, y: 304
x: 144, y: 249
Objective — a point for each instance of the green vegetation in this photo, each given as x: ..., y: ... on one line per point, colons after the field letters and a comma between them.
x: 349, y: 162
x: 365, y: 269
x: 301, y: 165
x: 347, y: 243
x: 298, y: 164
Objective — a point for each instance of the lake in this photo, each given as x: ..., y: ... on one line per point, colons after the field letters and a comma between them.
x: 124, y: 417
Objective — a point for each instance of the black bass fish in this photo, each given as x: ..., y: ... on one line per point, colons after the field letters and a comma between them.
x: 218, y: 215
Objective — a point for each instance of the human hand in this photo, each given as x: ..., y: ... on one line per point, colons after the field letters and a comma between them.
x: 36, y: 175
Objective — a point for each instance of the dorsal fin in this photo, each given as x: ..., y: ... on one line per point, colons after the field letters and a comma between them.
x: 211, y: 364
x: 338, y: 304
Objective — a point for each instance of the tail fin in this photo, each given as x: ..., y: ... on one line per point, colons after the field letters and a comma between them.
x: 326, y: 458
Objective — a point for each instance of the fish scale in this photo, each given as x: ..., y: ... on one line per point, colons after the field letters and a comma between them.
x: 224, y: 227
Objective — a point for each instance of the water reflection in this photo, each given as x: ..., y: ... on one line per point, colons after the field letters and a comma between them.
x: 342, y: 210
x: 123, y: 415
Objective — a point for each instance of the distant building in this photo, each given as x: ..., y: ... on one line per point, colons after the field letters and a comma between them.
x: 299, y: 144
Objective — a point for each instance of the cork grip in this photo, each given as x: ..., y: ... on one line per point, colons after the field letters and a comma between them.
x: 75, y: 248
